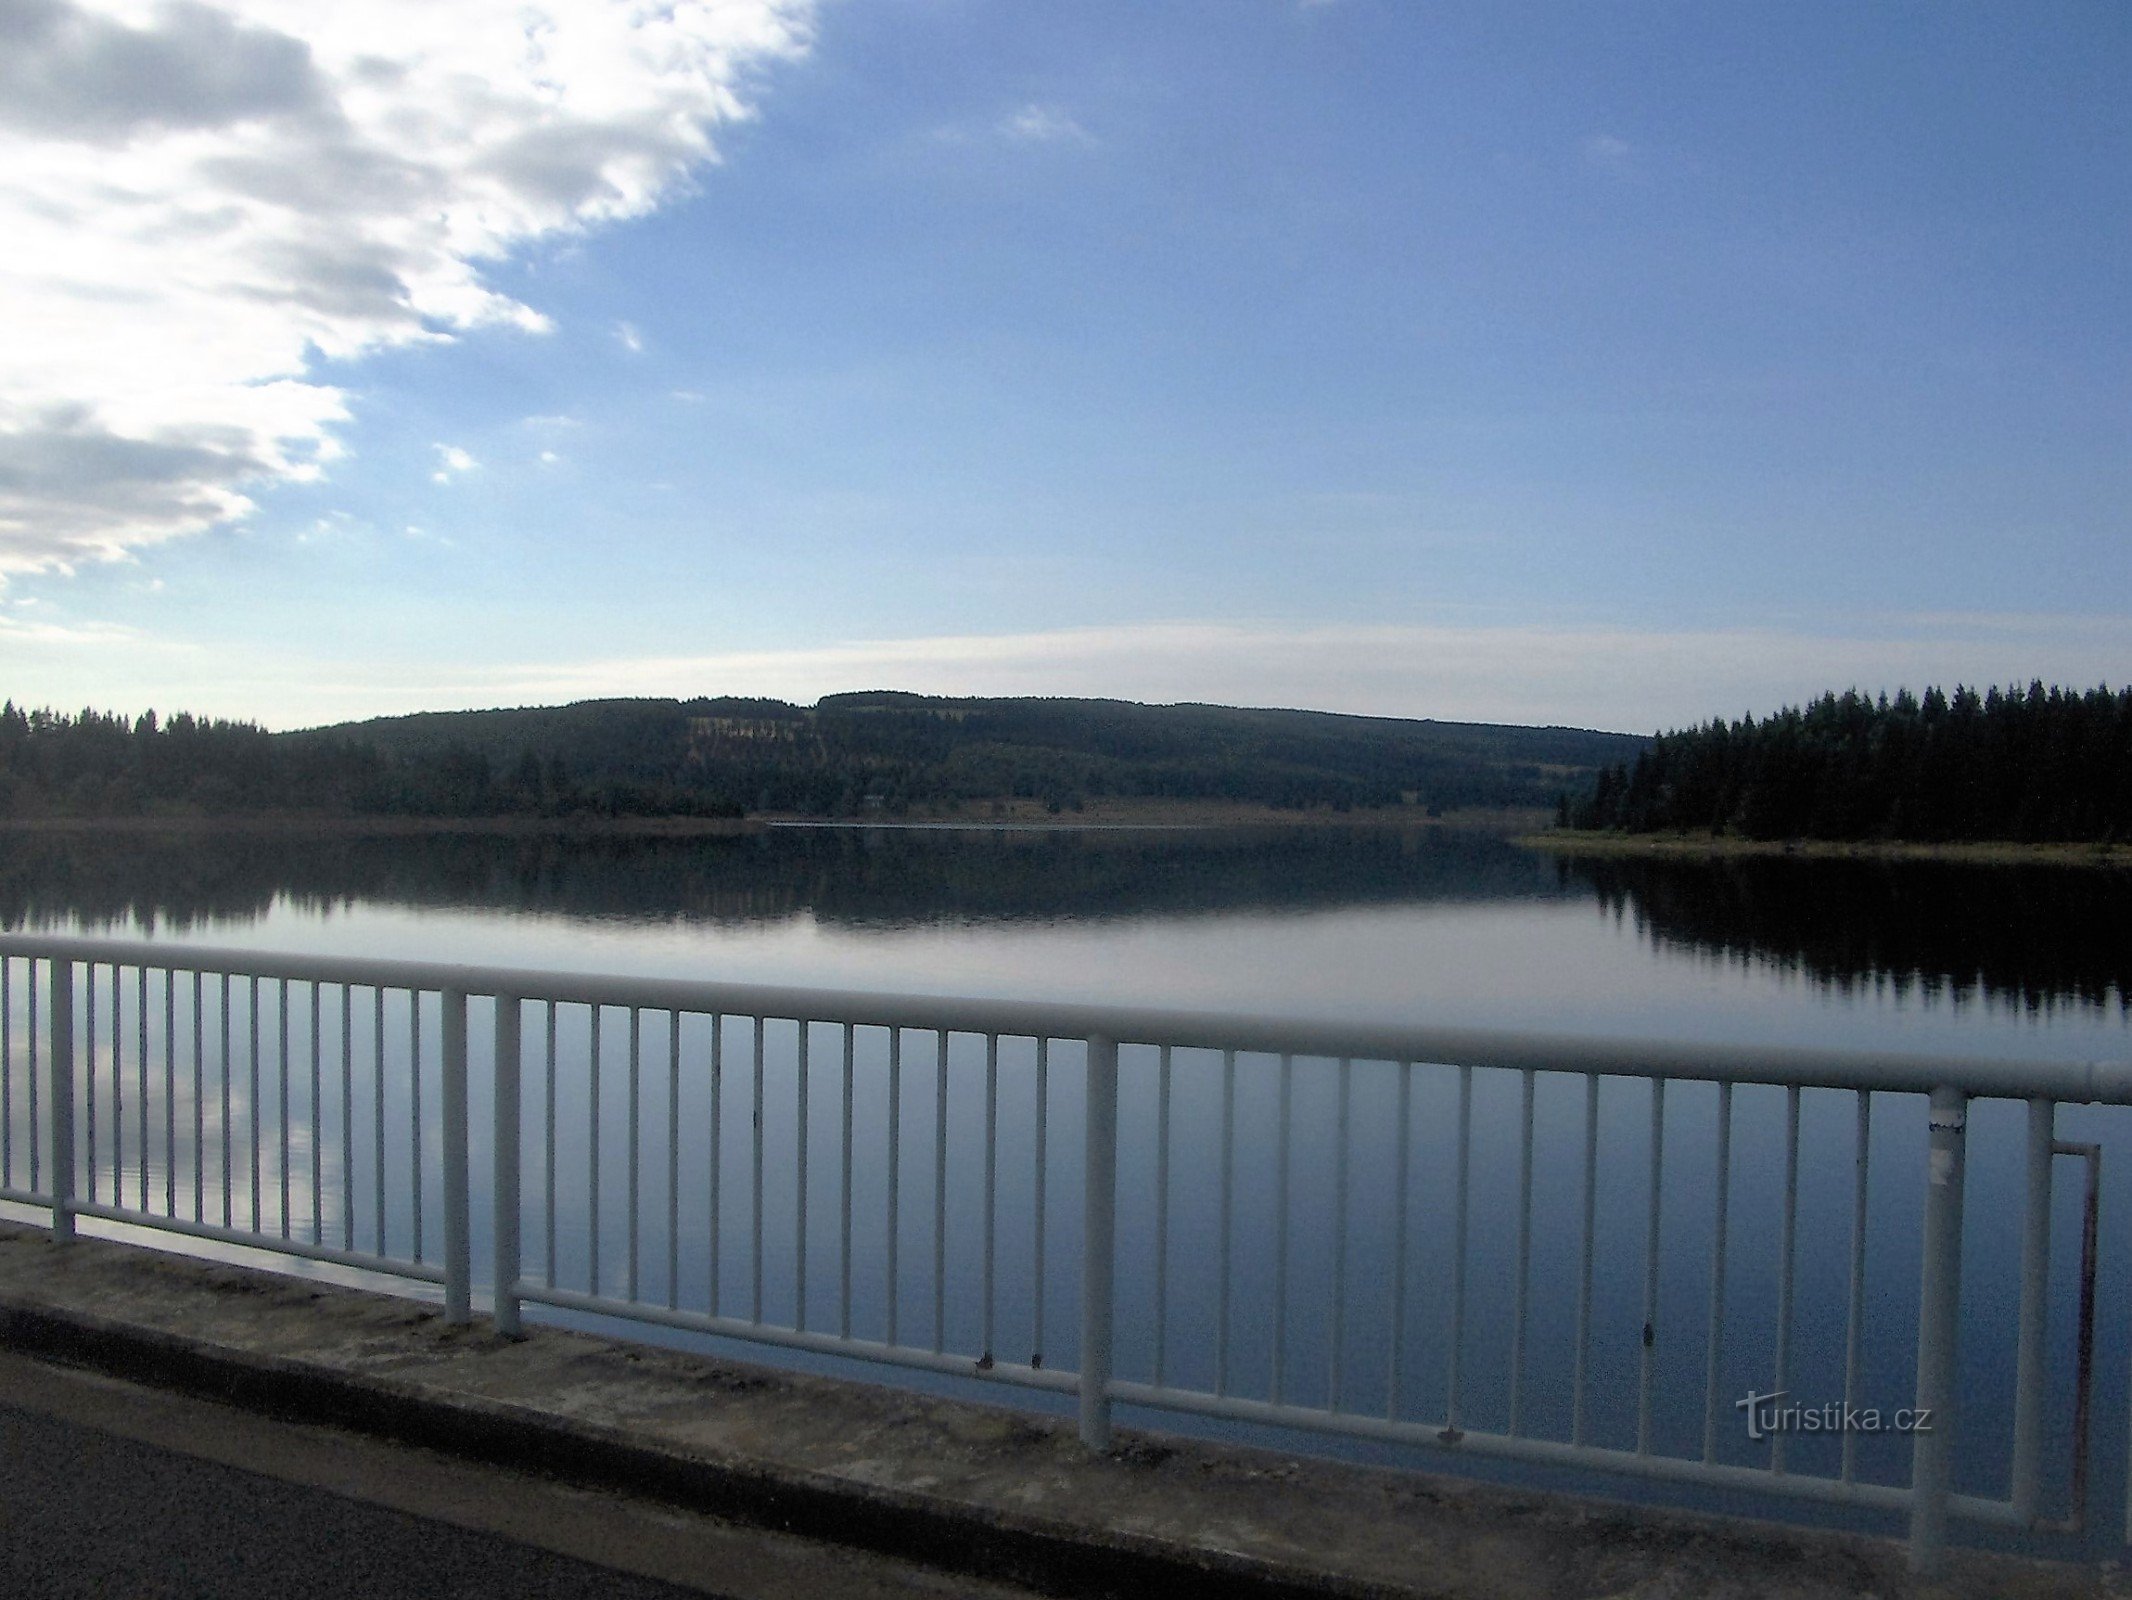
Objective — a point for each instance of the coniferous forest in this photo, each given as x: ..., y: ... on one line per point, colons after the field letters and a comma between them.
x: 96, y: 764
x: 2043, y: 765
x: 850, y: 755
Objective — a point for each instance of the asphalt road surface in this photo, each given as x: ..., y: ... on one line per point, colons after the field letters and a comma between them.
x: 112, y: 1490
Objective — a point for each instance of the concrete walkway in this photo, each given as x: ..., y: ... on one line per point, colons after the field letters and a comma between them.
x: 114, y: 1489
x: 957, y: 1488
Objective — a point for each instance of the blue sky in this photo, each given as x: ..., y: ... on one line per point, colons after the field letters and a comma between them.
x: 1617, y: 363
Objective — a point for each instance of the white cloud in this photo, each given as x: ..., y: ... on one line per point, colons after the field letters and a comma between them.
x: 1633, y: 680
x: 201, y: 198
x: 452, y: 462
x: 626, y: 335
x: 1035, y: 124
x: 549, y: 458
x: 65, y: 635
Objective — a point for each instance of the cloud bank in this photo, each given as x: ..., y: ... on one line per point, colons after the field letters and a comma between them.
x: 1627, y: 679
x: 1632, y: 680
x: 202, y: 200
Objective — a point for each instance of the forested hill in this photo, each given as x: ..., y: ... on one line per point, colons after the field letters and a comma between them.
x: 2044, y: 765
x: 849, y: 755
x: 856, y: 753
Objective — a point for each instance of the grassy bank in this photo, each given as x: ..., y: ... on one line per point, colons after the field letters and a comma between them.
x: 1979, y: 852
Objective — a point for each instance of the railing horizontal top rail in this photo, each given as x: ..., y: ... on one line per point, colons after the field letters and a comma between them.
x: 2107, y: 1082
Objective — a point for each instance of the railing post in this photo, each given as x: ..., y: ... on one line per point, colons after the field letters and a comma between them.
x: 509, y: 1068
x: 1098, y: 1230
x: 458, y: 1265
x: 2035, y: 1279
x: 1938, y: 1318
x: 59, y: 1086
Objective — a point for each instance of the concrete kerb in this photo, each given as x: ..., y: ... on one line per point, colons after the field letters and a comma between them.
x: 391, y: 1367
x: 955, y: 1537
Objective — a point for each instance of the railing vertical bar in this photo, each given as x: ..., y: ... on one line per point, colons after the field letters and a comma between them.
x: 170, y: 1091
x: 1402, y: 1185
x: 118, y: 1107
x: 991, y: 1221
x: 1337, y: 1343
x: 414, y: 1120
x: 1098, y: 1237
x: 88, y: 1056
x: 1162, y: 1214
x: 1522, y: 1298
x: 140, y: 1067
x: 228, y: 1127
x: 1648, y: 1364
x: 347, y: 1117
x: 7, y: 1069
x: 118, y: 1086
x: 799, y: 1182
x: 547, y: 1186
x: 59, y: 1050
x: 1279, y: 1352
x: 507, y: 1194
x: 199, y: 1101
x: 940, y: 1193
x: 281, y: 1105
x: 1455, y: 1334
x: 1938, y: 1320
x: 592, y: 1148
x: 1579, y: 1386
x: 1715, y: 1347
x: 755, y: 1227
x: 377, y: 1108
x: 844, y: 1191
x: 29, y: 978
x: 1042, y: 1190
x: 318, y: 1126
x: 1854, y: 1316
x: 1787, y: 1258
x: 2029, y: 1370
x: 893, y: 1243
x: 715, y: 1244
x: 633, y: 1145
x: 673, y: 1159
x: 1226, y: 1221
x: 458, y: 1234
x: 252, y: 1090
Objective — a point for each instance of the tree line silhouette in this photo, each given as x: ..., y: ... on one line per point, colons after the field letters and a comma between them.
x: 96, y: 764
x: 850, y: 755
x: 2042, y: 765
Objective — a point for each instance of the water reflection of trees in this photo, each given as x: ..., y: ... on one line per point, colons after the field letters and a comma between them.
x: 2035, y: 936
x: 854, y: 877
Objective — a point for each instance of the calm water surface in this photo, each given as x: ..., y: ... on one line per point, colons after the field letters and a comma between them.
x: 1430, y: 926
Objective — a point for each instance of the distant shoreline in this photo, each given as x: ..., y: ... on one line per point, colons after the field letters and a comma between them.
x: 1688, y: 846
x: 1141, y: 812
x: 1020, y: 816
x: 296, y: 824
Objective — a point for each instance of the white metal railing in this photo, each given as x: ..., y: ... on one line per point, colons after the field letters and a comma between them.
x: 261, y: 1086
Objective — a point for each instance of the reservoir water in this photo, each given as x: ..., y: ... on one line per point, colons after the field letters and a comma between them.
x: 1426, y: 926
